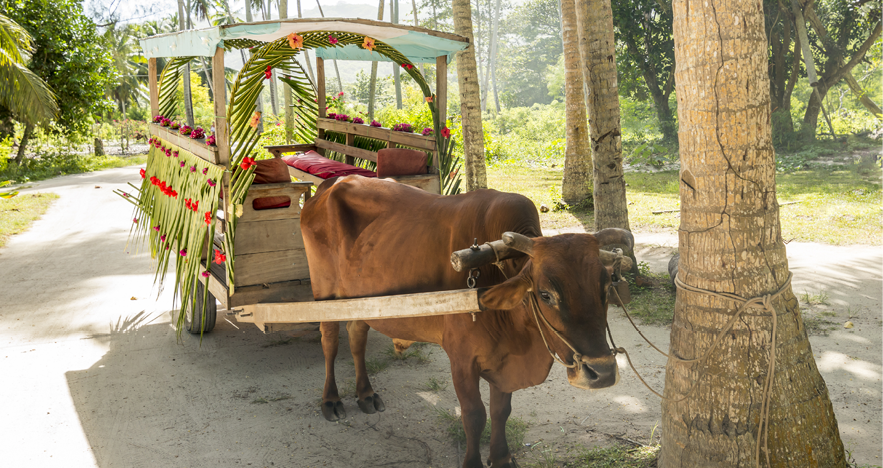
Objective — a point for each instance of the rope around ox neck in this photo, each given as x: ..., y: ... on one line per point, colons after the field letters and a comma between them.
x: 764, y: 302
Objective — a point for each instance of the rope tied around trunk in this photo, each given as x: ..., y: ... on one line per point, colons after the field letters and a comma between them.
x: 764, y: 303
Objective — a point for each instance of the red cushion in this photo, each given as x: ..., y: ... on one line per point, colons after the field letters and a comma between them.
x: 313, y: 163
x: 271, y: 171
x: 400, y: 161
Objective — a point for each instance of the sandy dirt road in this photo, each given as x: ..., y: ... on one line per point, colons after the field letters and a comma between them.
x: 93, y: 375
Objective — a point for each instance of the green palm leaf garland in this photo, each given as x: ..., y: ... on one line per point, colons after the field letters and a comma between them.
x: 178, y: 198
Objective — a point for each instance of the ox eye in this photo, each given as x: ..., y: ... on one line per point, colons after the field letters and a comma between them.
x: 547, y: 298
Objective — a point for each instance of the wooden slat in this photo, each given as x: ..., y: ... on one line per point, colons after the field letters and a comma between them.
x: 268, y: 236
x: 305, y: 176
x: 441, y: 88
x: 279, y: 150
x: 408, y: 139
x: 216, y: 287
x: 347, y: 150
x: 425, y: 182
x: 367, y: 308
x: 270, y: 267
x: 287, y: 291
x: 153, y: 87
x: 292, y: 190
x: 201, y: 150
x: 219, y: 83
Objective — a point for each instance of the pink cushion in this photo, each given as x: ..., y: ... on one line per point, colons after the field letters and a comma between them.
x: 313, y: 163
x: 400, y: 161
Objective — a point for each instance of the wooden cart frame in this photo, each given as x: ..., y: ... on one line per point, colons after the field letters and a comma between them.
x: 271, y: 286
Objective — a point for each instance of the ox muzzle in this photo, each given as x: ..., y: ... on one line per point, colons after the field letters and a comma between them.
x: 593, y: 373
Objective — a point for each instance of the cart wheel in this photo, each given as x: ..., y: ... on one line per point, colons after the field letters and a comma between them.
x: 193, y: 316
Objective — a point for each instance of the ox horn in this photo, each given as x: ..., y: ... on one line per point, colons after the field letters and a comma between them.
x: 519, y: 242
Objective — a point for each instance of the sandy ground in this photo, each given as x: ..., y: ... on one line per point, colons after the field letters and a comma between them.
x: 94, y: 375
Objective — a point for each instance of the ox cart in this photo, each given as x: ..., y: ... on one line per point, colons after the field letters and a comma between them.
x: 232, y: 232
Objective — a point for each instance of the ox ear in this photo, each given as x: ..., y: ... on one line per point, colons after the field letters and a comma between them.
x: 506, y: 295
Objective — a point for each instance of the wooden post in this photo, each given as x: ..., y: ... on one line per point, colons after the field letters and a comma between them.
x: 441, y: 102
x: 222, y: 131
x: 154, y: 87
x: 350, y: 141
x: 320, y: 94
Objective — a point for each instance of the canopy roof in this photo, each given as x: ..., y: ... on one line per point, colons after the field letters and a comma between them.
x: 419, y: 45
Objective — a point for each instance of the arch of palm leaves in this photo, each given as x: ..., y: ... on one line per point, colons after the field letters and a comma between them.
x: 194, y: 208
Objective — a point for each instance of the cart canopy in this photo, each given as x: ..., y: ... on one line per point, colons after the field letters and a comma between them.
x: 419, y: 45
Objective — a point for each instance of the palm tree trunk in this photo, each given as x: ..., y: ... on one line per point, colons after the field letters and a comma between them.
x: 492, y: 56
x: 598, y: 53
x: 307, y: 53
x: 470, y: 100
x: 576, y: 185
x: 274, y: 97
x: 336, y: 70
x: 259, y: 103
x: 188, y: 102
x: 23, y: 144
x: 373, y: 84
x: 396, y: 78
x: 730, y: 241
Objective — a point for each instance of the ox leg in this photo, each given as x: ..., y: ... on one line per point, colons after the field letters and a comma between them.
x: 332, y: 407
x: 401, y: 345
x: 369, y: 402
x: 473, y: 413
x: 501, y: 407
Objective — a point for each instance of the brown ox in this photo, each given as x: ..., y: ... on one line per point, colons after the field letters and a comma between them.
x: 369, y: 237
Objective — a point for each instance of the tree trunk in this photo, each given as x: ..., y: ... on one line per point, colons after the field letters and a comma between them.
x: 730, y: 241
x: 862, y: 95
x: 372, y: 88
x: 22, y: 146
x: 396, y: 78
x: 597, y: 51
x: 470, y: 100
x: 576, y: 186
x: 188, y: 102
x: 286, y: 91
x: 492, y: 55
x: 259, y: 102
x: 307, y: 53
x: 336, y: 70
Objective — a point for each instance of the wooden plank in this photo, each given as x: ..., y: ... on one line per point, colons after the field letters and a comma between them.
x: 292, y: 190
x: 425, y: 182
x: 271, y: 267
x: 368, y: 308
x: 267, y: 236
x: 219, y: 83
x: 408, y: 139
x: 201, y: 150
x: 279, y: 150
x: 305, y: 176
x: 216, y: 287
x: 347, y: 150
x: 286, y: 291
x: 153, y: 87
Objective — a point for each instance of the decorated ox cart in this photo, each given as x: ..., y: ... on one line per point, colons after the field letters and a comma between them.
x: 228, y: 223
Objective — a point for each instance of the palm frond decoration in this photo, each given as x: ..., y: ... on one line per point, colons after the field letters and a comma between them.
x: 168, y: 84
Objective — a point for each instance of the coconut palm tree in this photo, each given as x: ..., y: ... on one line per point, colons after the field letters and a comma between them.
x: 21, y: 91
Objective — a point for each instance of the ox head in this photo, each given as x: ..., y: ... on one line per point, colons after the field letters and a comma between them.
x: 564, y: 289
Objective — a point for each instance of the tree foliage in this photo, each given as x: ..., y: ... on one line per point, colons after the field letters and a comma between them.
x: 69, y: 56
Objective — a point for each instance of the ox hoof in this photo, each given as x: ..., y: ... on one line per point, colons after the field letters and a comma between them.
x: 503, y: 464
x: 372, y: 404
x: 333, y: 410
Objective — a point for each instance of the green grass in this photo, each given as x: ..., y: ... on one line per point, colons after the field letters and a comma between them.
x: 453, y: 425
x: 374, y: 366
x: 653, y: 304
x: 47, y: 167
x: 819, y: 298
x: 435, y: 385
x: 845, y: 199
x: 819, y: 323
x: 17, y: 213
x: 617, y: 456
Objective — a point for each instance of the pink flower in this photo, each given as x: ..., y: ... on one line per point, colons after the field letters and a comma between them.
x: 156, y: 228
x: 192, y: 168
x: 333, y: 40
x: 427, y: 131
x: 204, y: 171
x: 182, y: 163
x: 162, y: 238
x: 375, y: 123
x: 135, y: 220
x: 183, y: 252
x: 205, y: 274
x: 211, y: 183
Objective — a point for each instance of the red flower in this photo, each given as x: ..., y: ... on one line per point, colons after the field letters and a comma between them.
x: 196, y: 206
x: 143, y: 173
x: 220, y: 257
x: 208, y: 217
x: 268, y: 73
x: 247, y: 163
x: 446, y: 132
x: 188, y: 203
